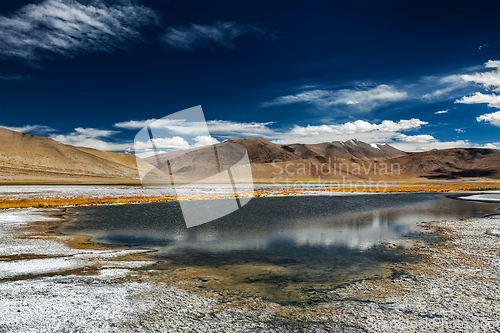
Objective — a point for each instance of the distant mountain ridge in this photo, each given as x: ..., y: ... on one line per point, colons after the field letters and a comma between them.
x: 348, y: 149
x: 28, y: 158
x: 261, y: 150
x: 267, y: 157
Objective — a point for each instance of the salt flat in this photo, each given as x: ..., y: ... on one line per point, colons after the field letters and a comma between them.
x: 48, y: 285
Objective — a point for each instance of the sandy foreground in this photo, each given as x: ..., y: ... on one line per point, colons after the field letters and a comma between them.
x: 51, y: 282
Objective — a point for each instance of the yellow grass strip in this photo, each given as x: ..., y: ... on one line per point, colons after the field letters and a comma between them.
x: 87, y: 200
x: 383, y: 189
x: 75, y: 201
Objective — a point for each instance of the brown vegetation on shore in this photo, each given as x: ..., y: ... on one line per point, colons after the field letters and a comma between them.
x: 48, y: 202
x: 76, y: 201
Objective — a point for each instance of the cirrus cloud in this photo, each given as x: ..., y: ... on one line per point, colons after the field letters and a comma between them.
x: 34, y: 129
x: 187, y: 38
x: 359, y: 99
x: 70, y: 27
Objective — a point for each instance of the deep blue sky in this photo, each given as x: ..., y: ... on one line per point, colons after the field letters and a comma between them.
x: 257, y: 67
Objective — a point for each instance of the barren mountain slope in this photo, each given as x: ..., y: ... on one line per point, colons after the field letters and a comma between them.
x: 347, y: 149
x: 452, y: 163
x: 23, y: 154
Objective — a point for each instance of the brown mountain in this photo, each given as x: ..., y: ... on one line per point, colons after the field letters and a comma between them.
x: 348, y: 149
x: 352, y: 159
x: 452, y: 163
x: 27, y: 158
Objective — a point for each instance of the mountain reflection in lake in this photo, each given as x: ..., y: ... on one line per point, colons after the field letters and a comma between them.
x: 317, y: 239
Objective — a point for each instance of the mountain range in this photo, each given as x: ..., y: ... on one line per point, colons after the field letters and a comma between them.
x: 26, y: 158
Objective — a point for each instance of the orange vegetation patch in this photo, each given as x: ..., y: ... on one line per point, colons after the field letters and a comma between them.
x: 386, y: 189
x: 76, y: 201
x: 87, y: 200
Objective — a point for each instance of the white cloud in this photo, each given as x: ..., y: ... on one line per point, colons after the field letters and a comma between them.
x: 134, y: 124
x: 200, y: 35
x: 166, y: 144
x: 424, y: 146
x: 442, y: 87
x: 94, y: 133
x: 223, y: 128
x: 421, y: 138
x: 69, y: 27
x: 441, y: 112
x: 175, y: 142
x: 91, y: 138
x: 363, y: 100
x: 34, y: 129
x: 205, y: 140
x: 492, y: 64
x: 228, y: 129
x: 492, y: 118
x: 489, y: 80
x: 386, y: 131
x: 492, y: 100
x: 459, y: 130
x: 357, y: 127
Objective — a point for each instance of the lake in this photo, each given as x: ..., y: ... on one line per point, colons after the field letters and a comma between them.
x: 277, y: 247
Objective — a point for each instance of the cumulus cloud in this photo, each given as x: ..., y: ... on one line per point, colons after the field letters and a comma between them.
x: 386, y: 131
x: 175, y: 142
x: 436, y: 144
x: 421, y: 138
x: 489, y: 80
x: 492, y: 118
x: 441, y: 112
x: 205, y: 140
x: 360, y: 99
x: 91, y: 138
x: 219, y: 33
x: 359, y: 126
x: 490, y: 145
x: 492, y: 64
x: 70, y: 27
x: 168, y: 144
x: 33, y: 129
x: 492, y: 100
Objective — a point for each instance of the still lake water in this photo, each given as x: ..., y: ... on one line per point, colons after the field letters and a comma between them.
x: 287, y: 244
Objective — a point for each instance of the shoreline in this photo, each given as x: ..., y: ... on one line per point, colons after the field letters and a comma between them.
x: 264, y: 190
x: 452, y: 286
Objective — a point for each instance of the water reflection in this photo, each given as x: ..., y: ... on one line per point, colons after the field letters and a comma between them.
x: 279, y: 248
x: 355, y: 222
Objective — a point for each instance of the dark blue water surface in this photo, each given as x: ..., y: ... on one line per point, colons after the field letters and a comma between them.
x: 315, y: 239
